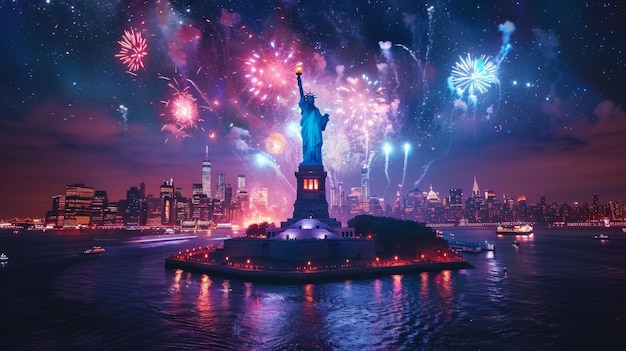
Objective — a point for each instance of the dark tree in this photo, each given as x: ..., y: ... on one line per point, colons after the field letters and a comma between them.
x: 398, y: 237
x: 258, y: 230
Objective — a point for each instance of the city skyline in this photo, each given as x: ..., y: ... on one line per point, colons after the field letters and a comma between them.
x: 545, y: 117
x: 120, y: 193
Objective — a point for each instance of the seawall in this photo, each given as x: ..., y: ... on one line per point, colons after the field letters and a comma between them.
x: 310, y: 276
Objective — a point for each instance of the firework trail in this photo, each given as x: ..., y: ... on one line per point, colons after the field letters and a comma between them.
x: 134, y: 49
x: 124, y: 111
x: 387, y: 150
x: 200, y: 92
x: 430, y: 10
x: 263, y: 159
x: 406, y: 147
x: 424, y: 171
x: 507, y: 28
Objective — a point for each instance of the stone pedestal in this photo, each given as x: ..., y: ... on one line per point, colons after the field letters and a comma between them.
x: 311, y: 193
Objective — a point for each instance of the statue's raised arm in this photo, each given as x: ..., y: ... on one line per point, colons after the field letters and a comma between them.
x: 299, y: 75
x: 313, y: 123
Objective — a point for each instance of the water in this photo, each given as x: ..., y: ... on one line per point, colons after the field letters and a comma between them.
x: 562, y: 290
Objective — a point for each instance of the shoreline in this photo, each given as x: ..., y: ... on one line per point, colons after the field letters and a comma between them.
x: 311, y: 276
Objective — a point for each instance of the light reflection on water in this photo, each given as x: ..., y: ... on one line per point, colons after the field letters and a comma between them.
x: 126, y: 299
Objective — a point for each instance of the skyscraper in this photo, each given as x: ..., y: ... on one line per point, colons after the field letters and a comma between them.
x: 78, y: 199
x: 228, y: 195
x: 365, y: 183
x: 475, y: 188
x: 168, y: 214
x: 206, y: 174
x: 241, y: 183
x: 133, y: 207
x: 455, y: 197
x: 98, y: 207
x: 221, y: 187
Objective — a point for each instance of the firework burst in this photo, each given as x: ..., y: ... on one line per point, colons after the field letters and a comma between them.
x: 182, y: 109
x: 134, y: 49
x: 275, y: 143
x: 473, y: 76
x: 270, y: 75
x: 362, y: 105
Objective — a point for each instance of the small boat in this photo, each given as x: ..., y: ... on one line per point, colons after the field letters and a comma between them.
x: 516, y: 243
x: 3, y: 257
x: 487, y: 246
x: 517, y: 229
x: 601, y: 236
x: 94, y: 250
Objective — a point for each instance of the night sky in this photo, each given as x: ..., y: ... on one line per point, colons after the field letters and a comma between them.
x: 113, y: 93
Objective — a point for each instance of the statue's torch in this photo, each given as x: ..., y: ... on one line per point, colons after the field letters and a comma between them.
x: 298, y: 70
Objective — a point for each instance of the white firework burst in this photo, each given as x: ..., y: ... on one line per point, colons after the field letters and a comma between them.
x: 473, y: 76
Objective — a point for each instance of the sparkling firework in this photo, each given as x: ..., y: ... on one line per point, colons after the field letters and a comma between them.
x: 134, y: 49
x: 387, y: 150
x: 184, y: 109
x: 473, y: 76
x: 406, y: 147
x: 275, y: 143
x: 270, y: 72
x: 363, y: 107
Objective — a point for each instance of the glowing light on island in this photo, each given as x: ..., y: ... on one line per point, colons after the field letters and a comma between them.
x: 133, y: 50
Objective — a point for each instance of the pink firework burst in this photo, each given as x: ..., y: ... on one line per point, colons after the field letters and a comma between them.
x: 270, y: 73
x: 134, y: 49
x: 362, y: 105
x: 184, y: 110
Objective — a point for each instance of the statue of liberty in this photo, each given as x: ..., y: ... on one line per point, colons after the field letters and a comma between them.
x: 313, y: 123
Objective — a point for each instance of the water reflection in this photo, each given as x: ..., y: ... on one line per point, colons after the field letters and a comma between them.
x: 204, y: 303
x: 175, y: 286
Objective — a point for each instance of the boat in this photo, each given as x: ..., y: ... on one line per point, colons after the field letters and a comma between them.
x: 487, y: 246
x: 624, y: 229
x: 601, y: 236
x: 4, y: 257
x: 94, y: 250
x: 472, y: 247
x: 516, y: 229
x: 516, y: 243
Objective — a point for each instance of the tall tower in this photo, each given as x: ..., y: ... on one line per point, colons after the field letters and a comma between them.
x: 78, y: 202
x: 241, y: 183
x: 365, y: 183
x: 206, y: 174
x: 475, y: 189
x: 221, y: 187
